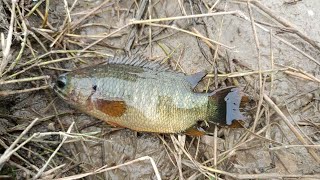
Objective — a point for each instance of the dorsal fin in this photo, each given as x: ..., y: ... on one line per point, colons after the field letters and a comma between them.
x: 139, y: 61
x: 194, y: 79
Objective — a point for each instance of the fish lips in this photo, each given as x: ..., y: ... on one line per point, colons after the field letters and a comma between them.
x: 65, y: 96
x: 60, y: 92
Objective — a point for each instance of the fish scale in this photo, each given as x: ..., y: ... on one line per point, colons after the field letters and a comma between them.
x: 144, y: 96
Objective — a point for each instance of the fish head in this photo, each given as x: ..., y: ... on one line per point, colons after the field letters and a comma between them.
x: 75, y: 89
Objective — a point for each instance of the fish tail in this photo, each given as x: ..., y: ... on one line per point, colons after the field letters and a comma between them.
x: 224, y: 107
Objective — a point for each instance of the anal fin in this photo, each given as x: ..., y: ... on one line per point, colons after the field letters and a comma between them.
x: 115, y: 124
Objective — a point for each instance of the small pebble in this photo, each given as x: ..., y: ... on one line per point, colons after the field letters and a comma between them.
x: 51, y: 126
x: 275, y: 99
x: 310, y: 96
x: 310, y: 13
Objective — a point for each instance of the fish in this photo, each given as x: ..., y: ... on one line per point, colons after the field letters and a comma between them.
x: 135, y: 93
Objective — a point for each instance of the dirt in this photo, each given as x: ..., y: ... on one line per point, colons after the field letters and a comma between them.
x: 297, y: 97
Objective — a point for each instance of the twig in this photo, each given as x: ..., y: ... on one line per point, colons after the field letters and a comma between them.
x: 50, y: 171
x: 293, y: 146
x: 76, y: 23
x: 272, y: 64
x: 150, y: 29
x: 24, y: 80
x: 21, y: 167
x: 292, y: 128
x: 286, y: 23
x: 297, y: 49
x: 104, y: 169
x: 46, y: 14
x: 214, y: 5
x: 53, y: 154
x: 275, y: 175
x: 261, y: 87
x: 141, y: 11
x: 240, y: 74
x: 7, y: 154
x: 191, y: 33
x: 101, y: 39
x: 19, y: 157
x: 23, y: 43
x: 10, y: 92
x: 184, y: 17
x: 6, y: 43
x: 67, y: 10
x: 281, y: 39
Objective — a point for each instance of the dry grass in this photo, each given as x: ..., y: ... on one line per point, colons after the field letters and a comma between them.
x: 32, y: 50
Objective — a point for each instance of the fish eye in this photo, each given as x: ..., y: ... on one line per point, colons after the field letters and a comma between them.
x: 94, y: 87
x: 61, y: 82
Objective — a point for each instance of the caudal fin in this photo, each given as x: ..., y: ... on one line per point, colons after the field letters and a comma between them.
x: 224, y: 106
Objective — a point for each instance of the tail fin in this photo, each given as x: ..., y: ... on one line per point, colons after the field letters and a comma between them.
x: 224, y: 106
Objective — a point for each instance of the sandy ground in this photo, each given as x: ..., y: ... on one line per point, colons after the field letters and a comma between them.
x: 295, y: 92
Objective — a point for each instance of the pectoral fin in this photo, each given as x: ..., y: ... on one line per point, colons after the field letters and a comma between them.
x: 111, y: 108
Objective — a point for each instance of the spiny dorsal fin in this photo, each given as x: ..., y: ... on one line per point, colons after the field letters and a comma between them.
x: 139, y: 61
x: 194, y: 79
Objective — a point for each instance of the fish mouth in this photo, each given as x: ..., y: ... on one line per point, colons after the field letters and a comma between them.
x: 63, y: 95
x: 60, y: 93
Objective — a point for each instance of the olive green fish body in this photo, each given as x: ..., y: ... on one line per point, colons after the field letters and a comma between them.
x: 142, y: 98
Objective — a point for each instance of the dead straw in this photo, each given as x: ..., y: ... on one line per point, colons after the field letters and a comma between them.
x: 7, y: 154
x: 106, y: 168
x: 6, y: 43
x: 292, y: 128
x: 53, y: 154
x: 24, y: 80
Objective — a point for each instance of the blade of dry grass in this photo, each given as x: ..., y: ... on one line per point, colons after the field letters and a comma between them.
x: 6, y: 42
x: 24, y: 80
x: 11, y: 92
x: 7, y: 154
x: 184, y: 17
x: 105, y: 169
x: 191, y: 33
x: 53, y: 154
x: 142, y: 9
x: 292, y: 128
x: 286, y: 23
x: 280, y: 39
x: 246, y: 73
x: 261, y: 87
x: 23, y: 43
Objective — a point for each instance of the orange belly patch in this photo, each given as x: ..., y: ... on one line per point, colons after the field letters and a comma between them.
x: 111, y: 108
